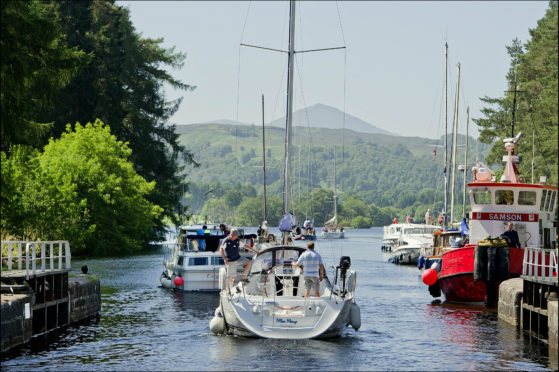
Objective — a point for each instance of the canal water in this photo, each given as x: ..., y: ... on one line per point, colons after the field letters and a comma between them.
x: 145, y: 327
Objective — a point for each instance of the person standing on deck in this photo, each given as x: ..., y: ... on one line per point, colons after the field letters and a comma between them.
x: 202, y: 242
x: 229, y: 250
x: 312, y: 266
x: 511, y: 236
x: 428, y: 218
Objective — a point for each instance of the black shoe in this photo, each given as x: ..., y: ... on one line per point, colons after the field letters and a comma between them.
x: 244, y: 280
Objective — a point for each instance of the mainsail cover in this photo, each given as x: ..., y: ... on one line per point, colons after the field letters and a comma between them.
x: 287, y: 222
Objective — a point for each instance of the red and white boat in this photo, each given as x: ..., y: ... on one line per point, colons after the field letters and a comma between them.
x: 531, y: 207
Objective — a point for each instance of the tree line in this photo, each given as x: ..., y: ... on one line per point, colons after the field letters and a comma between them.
x: 70, y: 62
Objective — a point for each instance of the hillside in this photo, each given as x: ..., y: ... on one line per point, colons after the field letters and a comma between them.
x: 381, y: 169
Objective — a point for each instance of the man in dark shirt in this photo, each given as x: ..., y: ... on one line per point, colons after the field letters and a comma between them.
x: 232, y: 257
x: 511, y: 236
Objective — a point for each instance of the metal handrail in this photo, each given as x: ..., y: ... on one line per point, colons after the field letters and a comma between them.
x: 541, y: 264
x: 53, y: 261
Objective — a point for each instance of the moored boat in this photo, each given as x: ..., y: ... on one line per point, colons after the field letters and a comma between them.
x: 412, y: 238
x: 472, y: 274
x: 190, y: 265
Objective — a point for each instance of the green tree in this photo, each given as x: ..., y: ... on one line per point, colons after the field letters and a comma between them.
x: 83, y: 188
x: 35, y: 65
x: 123, y: 86
x: 534, y: 73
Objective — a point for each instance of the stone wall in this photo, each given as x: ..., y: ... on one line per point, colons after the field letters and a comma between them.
x: 510, y: 301
x: 85, y: 297
x: 17, y: 321
x: 552, y: 323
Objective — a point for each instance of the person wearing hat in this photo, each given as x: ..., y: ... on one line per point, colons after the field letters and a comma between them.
x: 229, y: 250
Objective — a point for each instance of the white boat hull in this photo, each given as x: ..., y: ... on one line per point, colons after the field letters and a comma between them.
x: 405, y: 255
x: 247, y: 317
x: 332, y: 235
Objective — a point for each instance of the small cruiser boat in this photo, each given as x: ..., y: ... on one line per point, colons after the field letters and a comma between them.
x: 188, y: 267
x: 413, y: 237
x: 270, y: 303
x: 390, y: 236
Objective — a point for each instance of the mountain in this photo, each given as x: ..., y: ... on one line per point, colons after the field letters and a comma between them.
x: 319, y: 116
x: 323, y: 116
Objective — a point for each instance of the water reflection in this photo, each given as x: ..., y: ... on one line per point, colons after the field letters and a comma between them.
x: 199, y: 305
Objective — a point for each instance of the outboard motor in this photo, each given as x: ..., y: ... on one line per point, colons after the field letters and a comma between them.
x: 345, y: 264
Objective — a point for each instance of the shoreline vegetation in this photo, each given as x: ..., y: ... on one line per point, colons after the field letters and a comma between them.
x: 113, y: 184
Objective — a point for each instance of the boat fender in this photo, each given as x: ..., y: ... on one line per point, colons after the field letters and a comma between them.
x: 435, y: 266
x: 480, y: 262
x: 420, y: 262
x: 355, y: 316
x: 503, y: 259
x: 492, y: 264
x: 222, y: 278
x: 217, y: 324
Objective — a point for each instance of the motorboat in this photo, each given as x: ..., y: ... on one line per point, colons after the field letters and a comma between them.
x: 413, y: 237
x: 188, y: 266
x: 270, y: 303
x: 390, y: 236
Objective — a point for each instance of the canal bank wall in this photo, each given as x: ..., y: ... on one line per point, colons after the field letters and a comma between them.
x: 22, y: 317
x: 515, y: 310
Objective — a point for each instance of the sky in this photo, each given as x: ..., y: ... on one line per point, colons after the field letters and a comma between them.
x: 391, y: 73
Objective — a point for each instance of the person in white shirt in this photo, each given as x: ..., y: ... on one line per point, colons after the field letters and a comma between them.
x: 312, y: 266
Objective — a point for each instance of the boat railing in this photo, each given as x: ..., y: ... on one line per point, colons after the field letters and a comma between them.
x: 50, y: 255
x: 540, y: 264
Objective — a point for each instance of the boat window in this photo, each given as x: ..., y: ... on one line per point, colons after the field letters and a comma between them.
x: 217, y: 261
x: 482, y: 196
x: 542, y: 204
x: 286, y: 255
x: 527, y: 198
x: 552, y: 205
x: 197, y: 261
x: 261, y: 262
x: 548, y: 204
x: 504, y: 197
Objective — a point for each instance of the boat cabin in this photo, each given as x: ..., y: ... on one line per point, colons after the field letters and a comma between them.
x: 530, y: 207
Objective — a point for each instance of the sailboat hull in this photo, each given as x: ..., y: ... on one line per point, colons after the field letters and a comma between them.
x: 288, y: 318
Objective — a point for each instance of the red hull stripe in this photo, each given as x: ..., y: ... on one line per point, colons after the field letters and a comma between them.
x: 499, y: 216
x: 495, y: 184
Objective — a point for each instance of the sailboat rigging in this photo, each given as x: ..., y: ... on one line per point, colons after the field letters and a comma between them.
x: 270, y: 301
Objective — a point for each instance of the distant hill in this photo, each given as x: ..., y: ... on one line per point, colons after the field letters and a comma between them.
x: 318, y: 116
x: 323, y: 116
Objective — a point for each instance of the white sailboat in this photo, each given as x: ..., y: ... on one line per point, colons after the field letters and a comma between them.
x: 270, y: 303
x: 331, y: 229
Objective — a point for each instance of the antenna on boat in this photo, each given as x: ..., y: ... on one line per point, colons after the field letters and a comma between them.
x: 533, y: 143
x: 264, y: 159
x: 465, y: 163
x: 445, y: 218
x: 454, y: 135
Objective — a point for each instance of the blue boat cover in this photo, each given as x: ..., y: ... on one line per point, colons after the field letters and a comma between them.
x: 287, y: 222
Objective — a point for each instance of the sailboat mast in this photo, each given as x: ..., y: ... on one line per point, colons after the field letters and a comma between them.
x: 454, y: 138
x: 446, y: 137
x: 264, y: 159
x: 465, y: 163
x: 289, y: 108
x: 335, y: 203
